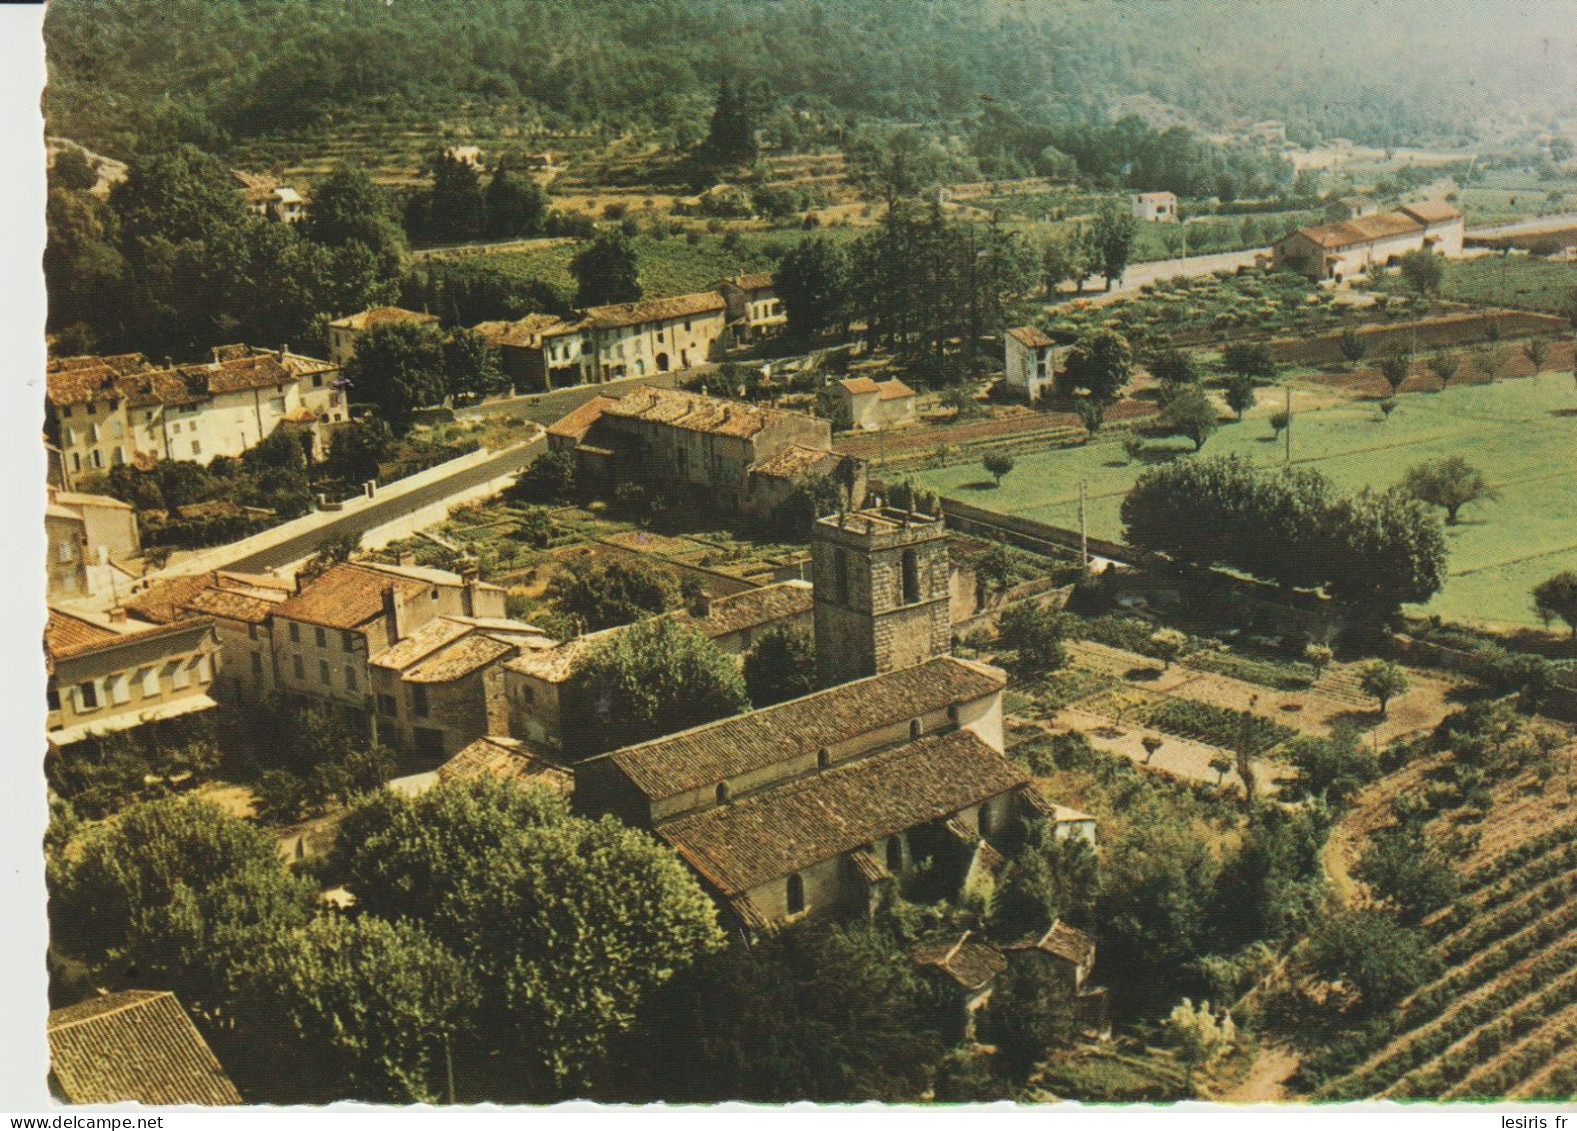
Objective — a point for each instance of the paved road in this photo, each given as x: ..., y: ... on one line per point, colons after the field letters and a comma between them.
x: 381, y: 512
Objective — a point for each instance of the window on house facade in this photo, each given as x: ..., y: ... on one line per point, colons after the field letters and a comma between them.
x: 295, y: 633
x: 204, y: 669
x: 149, y: 677
x: 97, y: 460
x: 70, y: 436
x: 251, y: 632
x: 387, y: 706
x: 419, y: 700
x: 180, y: 675
x: 197, y: 448
x: 76, y: 461
x: 350, y: 678
x: 323, y: 673
x: 317, y: 380
x: 298, y: 667
x: 347, y: 641
x: 117, y: 457
x: 257, y: 663
x: 984, y: 818
x: 722, y: 793
x: 117, y: 429
x: 277, y: 406
x: 321, y: 636
x: 87, y: 696
x: 54, y: 698
x: 118, y: 688
x: 796, y: 894
x: 65, y: 412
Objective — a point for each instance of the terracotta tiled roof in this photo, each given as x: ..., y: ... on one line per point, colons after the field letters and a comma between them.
x: 74, y: 499
x: 135, y: 1045
x: 723, y: 749
x: 860, y: 386
x: 892, y: 390
x: 527, y: 331
x: 460, y: 659
x: 754, y: 281
x: 1363, y: 229
x: 753, y: 608
x: 66, y: 635
x: 616, y: 315
x: 695, y: 413
x: 382, y: 316
x: 507, y: 759
x: 347, y: 595
x: 241, y: 597
x: 742, y: 845
x: 1431, y: 212
x: 1030, y: 336
x: 795, y: 460
x: 1033, y: 799
x: 578, y: 422
x: 1061, y: 941
x: 872, y: 870
x: 971, y: 963
x: 1155, y: 196
x: 240, y: 374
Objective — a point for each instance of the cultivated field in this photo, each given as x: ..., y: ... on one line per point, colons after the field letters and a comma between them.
x: 1513, y: 280
x: 1522, y: 433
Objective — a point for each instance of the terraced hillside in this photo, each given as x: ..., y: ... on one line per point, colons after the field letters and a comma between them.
x: 1501, y: 1018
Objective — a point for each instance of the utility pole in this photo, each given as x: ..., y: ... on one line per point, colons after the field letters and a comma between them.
x: 1084, y: 535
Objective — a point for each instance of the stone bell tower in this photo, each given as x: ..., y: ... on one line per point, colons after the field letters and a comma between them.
x: 881, y: 592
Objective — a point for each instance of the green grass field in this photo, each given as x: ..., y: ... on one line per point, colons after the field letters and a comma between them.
x: 1521, y: 433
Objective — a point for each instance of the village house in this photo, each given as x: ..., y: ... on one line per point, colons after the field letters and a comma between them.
x: 105, y: 412
x: 874, y: 405
x: 686, y: 440
x: 239, y: 606
x: 134, y: 1046
x: 778, y: 481
x: 1030, y: 361
x: 343, y: 332
x: 534, y: 681
x: 1069, y: 953
x: 465, y: 154
x: 1347, y: 248
x: 753, y: 304
x: 605, y: 343
x: 113, y: 675
x: 89, y: 537
x: 1353, y: 208
x: 810, y: 807
x: 265, y: 196
x: 440, y: 688
x: 504, y: 759
x: 322, y: 636
x: 1157, y: 207
x: 965, y: 967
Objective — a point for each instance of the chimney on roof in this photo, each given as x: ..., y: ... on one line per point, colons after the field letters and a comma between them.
x: 470, y: 588
x: 283, y: 350
x: 118, y: 615
x: 394, y: 612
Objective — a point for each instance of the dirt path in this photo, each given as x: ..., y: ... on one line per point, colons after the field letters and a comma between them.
x: 1267, y: 1078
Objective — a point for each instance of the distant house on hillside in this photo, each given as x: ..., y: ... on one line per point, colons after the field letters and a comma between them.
x: 465, y: 155
x: 343, y: 332
x: 1342, y: 250
x: 134, y: 1046
x: 1353, y: 208
x: 1030, y: 364
x: 1160, y: 207
x: 873, y: 405
x: 265, y: 196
